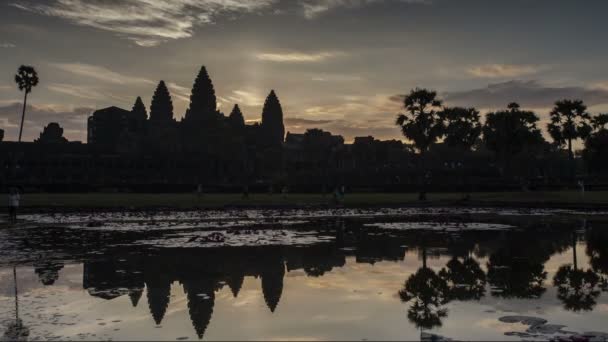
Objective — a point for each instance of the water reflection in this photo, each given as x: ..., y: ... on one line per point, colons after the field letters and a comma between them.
x: 577, y: 289
x: 428, y: 293
x: 477, y: 265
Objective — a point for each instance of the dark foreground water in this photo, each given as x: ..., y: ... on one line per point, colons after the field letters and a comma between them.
x: 299, y: 275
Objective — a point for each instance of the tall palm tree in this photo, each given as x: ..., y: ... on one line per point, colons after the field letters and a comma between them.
x: 26, y: 78
x: 423, y: 124
x: 569, y: 121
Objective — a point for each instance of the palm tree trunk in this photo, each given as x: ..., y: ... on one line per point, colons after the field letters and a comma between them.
x: 422, y: 162
x: 571, y: 159
x: 424, y: 257
x: 16, y: 294
x: 23, y: 115
x: 574, y: 259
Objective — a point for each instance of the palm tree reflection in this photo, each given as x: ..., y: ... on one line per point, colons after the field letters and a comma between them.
x: 16, y: 331
x: 465, y: 279
x: 429, y: 293
x: 577, y: 289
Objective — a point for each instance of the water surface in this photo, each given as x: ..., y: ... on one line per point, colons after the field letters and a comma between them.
x: 274, y: 276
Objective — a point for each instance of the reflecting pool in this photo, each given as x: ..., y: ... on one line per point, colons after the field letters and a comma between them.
x: 406, y: 275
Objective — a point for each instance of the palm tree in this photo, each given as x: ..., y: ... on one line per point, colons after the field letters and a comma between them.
x: 569, y: 121
x: 463, y: 127
x: 26, y: 78
x: 509, y: 132
x: 422, y: 123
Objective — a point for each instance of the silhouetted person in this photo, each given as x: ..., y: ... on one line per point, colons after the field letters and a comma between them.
x: 14, y: 199
x: 246, y: 191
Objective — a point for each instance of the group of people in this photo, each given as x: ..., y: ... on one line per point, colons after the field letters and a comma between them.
x: 14, y: 199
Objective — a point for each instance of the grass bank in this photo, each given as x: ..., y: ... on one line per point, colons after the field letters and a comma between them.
x: 59, y: 202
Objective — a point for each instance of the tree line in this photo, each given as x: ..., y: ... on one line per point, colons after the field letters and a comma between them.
x: 426, y: 122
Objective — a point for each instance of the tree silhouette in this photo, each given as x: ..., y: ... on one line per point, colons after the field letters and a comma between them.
x: 463, y: 127
x: 577, y: 289
x: 509, y: 132
x: 569, y: 121
x: 161, y: 109
x: 26, y: 79
x: 48, y: 271
x: 429, y: 293
x: 52, y: 134
x: 272, y: 120
x: 597, y: 249
x: 465, y: 279
x: 600, y: 122
x: 236, y: 117
x: 203, y: 102
x: 596, y: 145
x: 422, y: 123
x: 514, y: 276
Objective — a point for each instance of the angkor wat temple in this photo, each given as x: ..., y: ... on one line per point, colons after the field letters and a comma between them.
x: 150, y: 151
x: 137, y: 150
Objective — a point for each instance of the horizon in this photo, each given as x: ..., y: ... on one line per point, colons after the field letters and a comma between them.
x: 331, y: 62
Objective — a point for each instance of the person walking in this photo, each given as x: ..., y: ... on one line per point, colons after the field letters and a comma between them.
x: 13, y: 204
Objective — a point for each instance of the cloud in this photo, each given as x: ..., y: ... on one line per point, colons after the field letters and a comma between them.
x: 100, y: 73
x: 246, y: 98
x: 336, y: 78
x: 179, y: 92
x: 7, y: 45
x: 530, y: 94
x: 502, y: 70
x: 300, y: 122
x: 146, y: 22
x: 356, y: 116
x: 297, y: 57
x: 314, y: 8
x: 73, y: 120
x: 86, y: 92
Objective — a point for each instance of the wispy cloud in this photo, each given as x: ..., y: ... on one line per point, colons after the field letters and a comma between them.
x: 146, y: 22
x: 336, y: 78
x: 179, y: 92
x: 527, y: 93
x: 100, y: 73
x: 7, y: 45
x: 246, y: 98
x: 86, y: 92
x: 314, y: 8
x: 297, y: 57
x: 503, y: 70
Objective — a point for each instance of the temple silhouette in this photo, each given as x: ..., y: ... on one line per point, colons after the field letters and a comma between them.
x: 148, y: 149
x: 514, y: 268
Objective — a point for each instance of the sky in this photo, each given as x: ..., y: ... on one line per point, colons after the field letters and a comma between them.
x: 339, y: 65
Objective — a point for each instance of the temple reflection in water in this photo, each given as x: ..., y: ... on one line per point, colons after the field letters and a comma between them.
x: 479, y: 264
